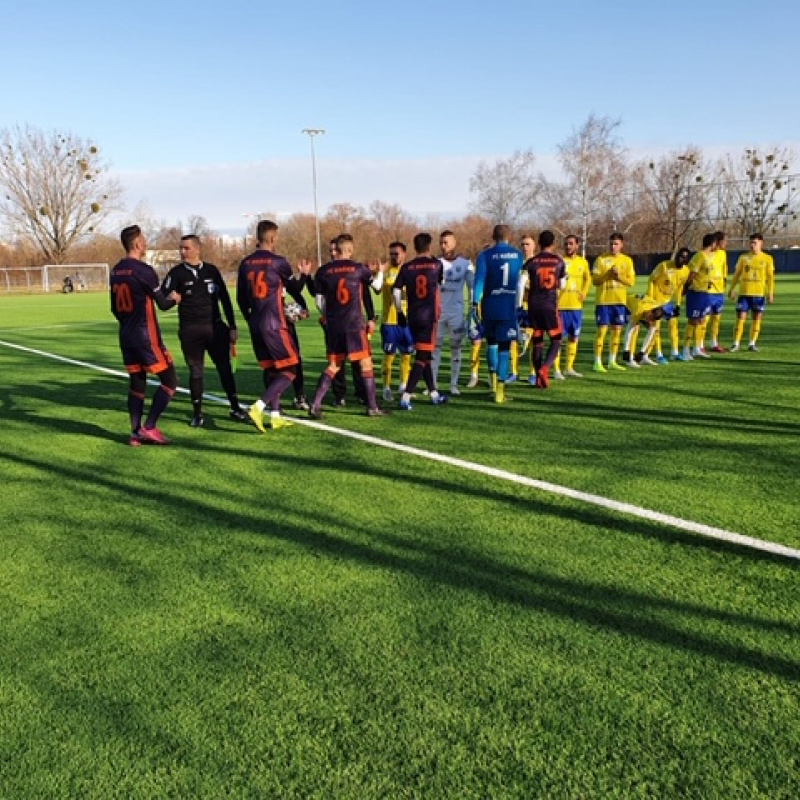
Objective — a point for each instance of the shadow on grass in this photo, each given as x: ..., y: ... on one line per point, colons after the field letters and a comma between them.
x: 420, y: 555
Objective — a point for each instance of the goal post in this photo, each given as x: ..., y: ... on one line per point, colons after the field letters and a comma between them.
x: 81, y: 277
x: 52, y: 278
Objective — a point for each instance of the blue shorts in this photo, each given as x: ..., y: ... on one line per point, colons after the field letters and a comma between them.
x: 395, y: 339
x: 749, y: 302
x: 715, y: 303
x: 611, y: 315
x: 571, y: 323
x: 499, y: 331
x: 697, y: 306
x: 670, y: 310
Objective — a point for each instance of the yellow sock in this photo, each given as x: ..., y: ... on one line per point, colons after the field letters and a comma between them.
x: 689, y: 334
x: 701, y: 336
x: 616, y: 337
x: 715, y: 323
x: 386, y: 370
x: 674, y: 334
x: 405, y: 369
x: 698, y: 335
x: 475, y: 358
x: 493, y: 379
x: 499, y: 392
x: 572, y: 353
x: 599, y: 339
x: 513, y: 356
x: 755, y: 329
x: 557, y: 362
x: 738, y: 330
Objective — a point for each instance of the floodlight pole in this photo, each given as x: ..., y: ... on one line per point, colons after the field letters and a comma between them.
x: 311, y: 133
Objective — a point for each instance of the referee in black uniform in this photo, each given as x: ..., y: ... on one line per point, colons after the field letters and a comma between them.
x: 200, y: 326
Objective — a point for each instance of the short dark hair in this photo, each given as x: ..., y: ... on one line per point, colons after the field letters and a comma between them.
x: 264, y: 227
x: 342, y: 239
x: 191, y: 237
x: 448, y: 232
x: 709, y: 239
x: 546, y: 239
x: 129, y: 235
x: 685, y: 251
x: 422, y: 242
x: 758, y: 236
x: 720, y: 236
x: 501, y: 233
x: 398, y: 245
x: 616, y: 237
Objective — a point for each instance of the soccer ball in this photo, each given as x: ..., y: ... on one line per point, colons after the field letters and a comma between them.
x: 293, y: 311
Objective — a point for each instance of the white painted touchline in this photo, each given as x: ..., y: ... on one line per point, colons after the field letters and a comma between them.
x: 501, y: 474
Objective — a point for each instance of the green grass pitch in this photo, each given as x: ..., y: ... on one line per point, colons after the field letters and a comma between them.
x: 305, y: 615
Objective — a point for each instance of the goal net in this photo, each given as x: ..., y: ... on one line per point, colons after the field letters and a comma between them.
x: 54, y: 278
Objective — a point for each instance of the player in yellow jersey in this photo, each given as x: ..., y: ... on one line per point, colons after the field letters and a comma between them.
x: 697, y: 298
x: 612, y: 275
x: 755, y: 272
x: 666, y: 285
x: 717, y: 280
x: 644, y: 310
x: 528, y: 247
x: 394, y: 338
x: 570, y: 304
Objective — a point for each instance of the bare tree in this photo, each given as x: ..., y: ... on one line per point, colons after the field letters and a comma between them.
x: 56, y: 188
x: 674, y: 195
x: 506, y: 189
x: 757, y: 191
x: 595, y: 164
x: 198, y: 225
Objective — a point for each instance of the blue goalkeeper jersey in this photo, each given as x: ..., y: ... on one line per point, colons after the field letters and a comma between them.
x: 496, y: 276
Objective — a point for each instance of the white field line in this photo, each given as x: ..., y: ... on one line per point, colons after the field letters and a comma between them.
x: 501, y: 474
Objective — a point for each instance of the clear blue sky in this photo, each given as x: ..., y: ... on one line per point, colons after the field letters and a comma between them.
x: 182, y: 96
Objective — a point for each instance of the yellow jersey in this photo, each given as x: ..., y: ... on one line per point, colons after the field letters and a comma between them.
x: 666, y: 282
x: 718, y: 273
x: 640, y: 306
x: 579, y: 281
x: 389, y: 312
x: 700, y: 265
x: 755, y: 273
x: 612, y: 292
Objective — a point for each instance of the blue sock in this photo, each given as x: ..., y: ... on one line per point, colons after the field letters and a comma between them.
x: 502, y: 366
x: 491, y: 357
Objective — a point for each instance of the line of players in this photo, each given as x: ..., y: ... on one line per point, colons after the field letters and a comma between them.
x: 513, y: 295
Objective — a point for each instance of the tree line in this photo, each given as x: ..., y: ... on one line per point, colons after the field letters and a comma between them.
x: 58, y: 199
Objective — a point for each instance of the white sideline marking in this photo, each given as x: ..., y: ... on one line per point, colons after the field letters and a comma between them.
x: 544, y: 486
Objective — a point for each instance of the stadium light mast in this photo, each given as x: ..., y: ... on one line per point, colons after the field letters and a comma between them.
x: 311, y: 133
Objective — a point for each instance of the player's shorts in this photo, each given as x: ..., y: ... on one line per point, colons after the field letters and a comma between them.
x: 749, y: 302
x: 715, y: 303
x: 697, y: 306
x: 396, y: 339
x: 451, y: 325
x: 670, y: 310
x: 616, y: 315
x: 500, y: 331
x: 141, y: 351
x: 274, y: 348
x: 343, y: 344
x: 544, y: 320
x: 423, y: 332
x: 571, y: 322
